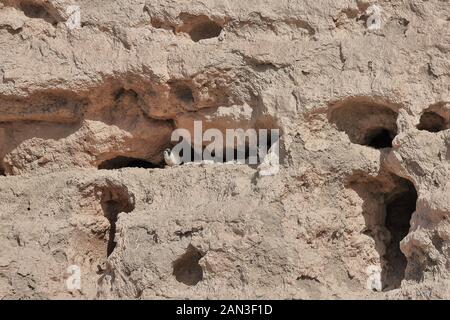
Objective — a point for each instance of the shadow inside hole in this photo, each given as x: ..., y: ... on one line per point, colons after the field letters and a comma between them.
x: 183, y: 93
x: 432, y: 122
x: 114, y: 201
x: 379, y: 138
x: 246, y: 148
x: 127, y: 162
x: 205, y: 30
x: 123, y: 93
x: 399, y: 209
x: 388, y: 204
x: 244, y: 153
x: 186, y: 268
x: 32, y: 10
x: 365, y: 122
x: 238, y: 155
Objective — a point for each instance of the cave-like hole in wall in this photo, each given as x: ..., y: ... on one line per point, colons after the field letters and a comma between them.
x: 379, y: 138
x: 388, y: 204
x: 127, y: 162
x: 114, y: 201
x: 399, y: 209
x: 239, y: 154
x: 432, y: 122
x: 248, y: 151
x: 34, y: 10
x: 199, y: 27
x: 205, y: 30
x: 365, y: 122
x: 182, y: 92
x: 186, y: 268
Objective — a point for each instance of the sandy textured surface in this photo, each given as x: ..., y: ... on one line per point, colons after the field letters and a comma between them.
x: 359, y: 209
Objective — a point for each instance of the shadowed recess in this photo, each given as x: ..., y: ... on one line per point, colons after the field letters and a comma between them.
x: 37, y: 11
x: 114, y: 201
x: 379, y: 138
x: 432, y: 122
x: 205, y: 30
x: 186, y: 268
x: 127, y: 162
x: 399, y: 209
x: 365, y: 122
x: 388, y: 204
x: 199, y: 27
x: 182, y: 92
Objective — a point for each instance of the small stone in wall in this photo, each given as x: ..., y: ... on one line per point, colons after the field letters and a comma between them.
x: 74, y: 20
x: 374, y: 19
x: 373, y: 282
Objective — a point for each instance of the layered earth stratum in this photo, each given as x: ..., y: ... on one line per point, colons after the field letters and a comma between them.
x: 360, y: 207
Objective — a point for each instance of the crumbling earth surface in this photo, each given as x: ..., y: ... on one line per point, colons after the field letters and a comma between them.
x: 359, y: 209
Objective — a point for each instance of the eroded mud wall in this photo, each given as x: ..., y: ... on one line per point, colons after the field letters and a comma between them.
x: 360, y: 207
